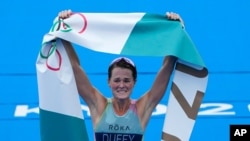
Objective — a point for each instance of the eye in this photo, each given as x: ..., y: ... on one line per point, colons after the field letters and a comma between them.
x: 117, y: 80
x: 127, y: 80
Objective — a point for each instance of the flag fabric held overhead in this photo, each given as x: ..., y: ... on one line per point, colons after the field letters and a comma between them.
x: 137, y: 34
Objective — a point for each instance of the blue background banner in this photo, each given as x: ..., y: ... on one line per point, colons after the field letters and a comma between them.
x: 219, y: 29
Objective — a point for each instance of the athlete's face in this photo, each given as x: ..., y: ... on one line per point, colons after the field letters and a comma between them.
x: 121, y: 82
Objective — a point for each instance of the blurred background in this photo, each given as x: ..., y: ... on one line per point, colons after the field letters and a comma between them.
x: 220, y: 30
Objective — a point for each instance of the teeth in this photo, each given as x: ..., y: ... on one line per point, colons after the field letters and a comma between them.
x: 122, y: 91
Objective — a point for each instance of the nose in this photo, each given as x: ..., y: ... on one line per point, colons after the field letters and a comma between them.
x: 121, y: 84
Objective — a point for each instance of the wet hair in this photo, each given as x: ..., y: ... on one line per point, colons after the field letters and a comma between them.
x: 122, y: 62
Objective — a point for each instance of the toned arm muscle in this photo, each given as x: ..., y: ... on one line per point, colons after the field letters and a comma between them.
x: 150, y: 99
x: 94, y: 99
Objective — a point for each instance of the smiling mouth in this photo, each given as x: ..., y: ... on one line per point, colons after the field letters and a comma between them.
x: 122, y: 91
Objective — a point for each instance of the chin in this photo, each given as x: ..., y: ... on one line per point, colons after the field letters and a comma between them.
x: 122, y: 97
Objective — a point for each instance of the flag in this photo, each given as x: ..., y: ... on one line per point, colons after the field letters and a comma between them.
x: 142, y: 34
x: 60, y: 111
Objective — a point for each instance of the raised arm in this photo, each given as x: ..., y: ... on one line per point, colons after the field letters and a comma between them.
x: 147, y: 103
x: 94, y: 99
x: 84, y: 86
x: 86, y: 90
x: 151, y: 98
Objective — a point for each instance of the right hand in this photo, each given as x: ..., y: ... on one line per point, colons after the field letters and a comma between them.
x: 65, y: 14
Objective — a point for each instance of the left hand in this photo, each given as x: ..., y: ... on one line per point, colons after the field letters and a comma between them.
x: 175, y: 16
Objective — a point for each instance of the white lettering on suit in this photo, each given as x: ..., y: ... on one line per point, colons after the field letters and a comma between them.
x: 118, y: 137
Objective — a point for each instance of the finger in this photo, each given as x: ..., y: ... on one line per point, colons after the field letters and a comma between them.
x: 170, y: 15
x: 175, y: 16
x: 69, y: 12
x: 62, y: 14
x: 65, y: 14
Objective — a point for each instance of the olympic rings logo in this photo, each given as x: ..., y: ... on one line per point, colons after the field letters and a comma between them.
x: 52, y: 49
x: 66, y: 27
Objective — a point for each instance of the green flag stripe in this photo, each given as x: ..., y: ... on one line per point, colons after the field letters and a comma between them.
x: 154, y: 35
x: 59, y: 127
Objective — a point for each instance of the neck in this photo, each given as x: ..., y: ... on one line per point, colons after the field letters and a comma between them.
x: 121, y: 106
